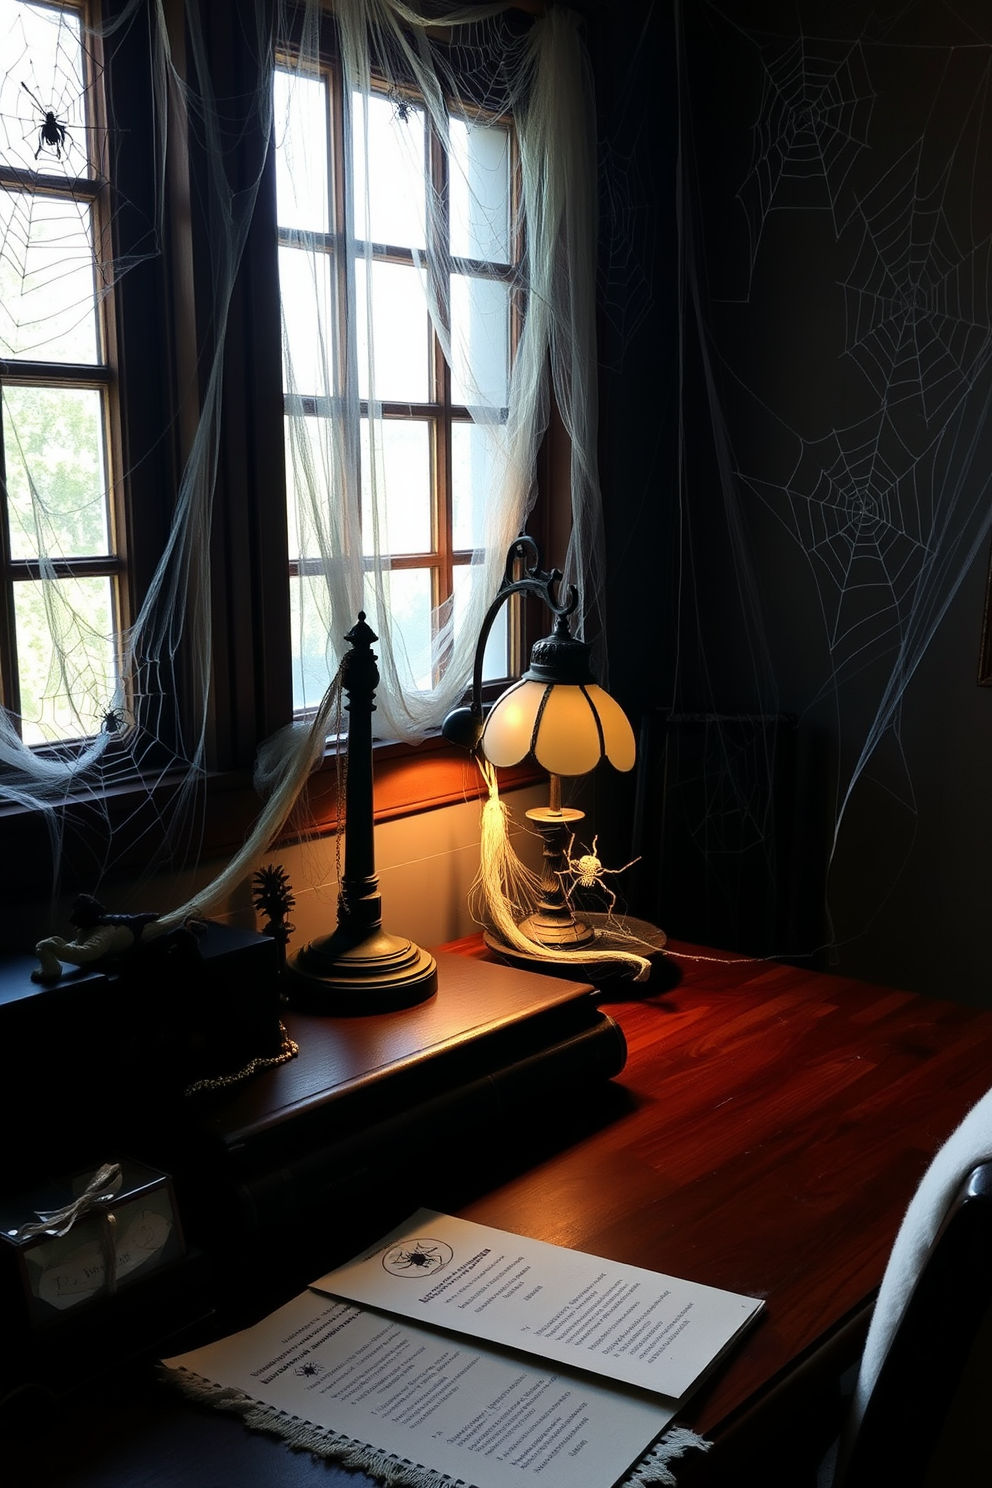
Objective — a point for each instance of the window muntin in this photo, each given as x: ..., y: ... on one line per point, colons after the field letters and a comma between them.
x: 61, y: 566
x: 339, y: 232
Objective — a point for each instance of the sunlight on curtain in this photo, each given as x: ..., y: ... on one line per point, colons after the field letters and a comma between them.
x: 507, y: 299
x: 409, y: 260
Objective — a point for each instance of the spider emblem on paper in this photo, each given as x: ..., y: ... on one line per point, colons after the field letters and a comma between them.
x: 417, y: 1257
x: 309, y: 1371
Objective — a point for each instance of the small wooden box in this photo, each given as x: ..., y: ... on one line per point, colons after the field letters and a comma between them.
x: 56, y: 1276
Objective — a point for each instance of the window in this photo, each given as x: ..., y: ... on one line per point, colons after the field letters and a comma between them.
x: 369, y: 238
x: 146, y: 583
x: 61, y: 559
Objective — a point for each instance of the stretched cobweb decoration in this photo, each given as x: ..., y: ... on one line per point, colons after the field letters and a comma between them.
x: 919, y: 321
x: 864, y: 512
x: 812, y: 124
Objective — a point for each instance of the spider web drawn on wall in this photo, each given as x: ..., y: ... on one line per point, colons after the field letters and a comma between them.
x: 813, y: 123
x: 870, y: 505
x: 865, y: 512
x: 889, y: 505
x: 918, y: 309
x: 629, y: 209
x: 627, y: 243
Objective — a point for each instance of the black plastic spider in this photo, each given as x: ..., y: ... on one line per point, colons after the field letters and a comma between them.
x: 52, y: 134
x: 114, y: 721
x: 403, y: 110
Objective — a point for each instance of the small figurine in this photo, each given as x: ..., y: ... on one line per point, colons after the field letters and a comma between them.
x: 101, y: 935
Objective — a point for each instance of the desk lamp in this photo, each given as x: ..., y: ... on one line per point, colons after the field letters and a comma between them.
x: 558, y: 713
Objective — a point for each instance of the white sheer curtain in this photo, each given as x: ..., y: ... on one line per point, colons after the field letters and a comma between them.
x: 343, y: 505
x: 539, y: 78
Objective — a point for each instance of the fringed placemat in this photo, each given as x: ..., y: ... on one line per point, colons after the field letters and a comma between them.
x: 652, y: 1471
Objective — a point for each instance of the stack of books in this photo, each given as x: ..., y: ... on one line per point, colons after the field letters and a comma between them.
x: 379, y: 1114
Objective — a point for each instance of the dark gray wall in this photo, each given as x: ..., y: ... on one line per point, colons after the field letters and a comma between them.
x: 796, y: 335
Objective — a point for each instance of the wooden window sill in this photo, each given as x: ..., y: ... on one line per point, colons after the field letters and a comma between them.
x: 407, y: 779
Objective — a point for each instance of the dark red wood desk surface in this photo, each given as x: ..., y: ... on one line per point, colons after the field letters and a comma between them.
x: 780, y: 1121
x: 771, y: 1126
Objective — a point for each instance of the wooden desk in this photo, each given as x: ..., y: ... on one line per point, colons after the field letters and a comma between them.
x: 769, y: 1128
x: 779, y: 1122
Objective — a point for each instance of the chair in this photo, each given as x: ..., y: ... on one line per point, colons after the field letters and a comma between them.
x: 923, y: 1402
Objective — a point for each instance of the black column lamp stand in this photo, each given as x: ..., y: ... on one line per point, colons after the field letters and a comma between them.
x: 360, y: 967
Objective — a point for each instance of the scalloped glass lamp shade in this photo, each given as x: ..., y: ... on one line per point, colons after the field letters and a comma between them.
x: 568, y: 728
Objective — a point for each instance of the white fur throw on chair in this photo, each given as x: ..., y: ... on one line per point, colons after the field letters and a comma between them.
x: 964, y: 1149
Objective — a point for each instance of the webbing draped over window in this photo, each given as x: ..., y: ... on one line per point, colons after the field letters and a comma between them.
x: 502, y: 295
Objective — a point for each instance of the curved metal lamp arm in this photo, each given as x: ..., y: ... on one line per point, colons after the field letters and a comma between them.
x: 464, y: 725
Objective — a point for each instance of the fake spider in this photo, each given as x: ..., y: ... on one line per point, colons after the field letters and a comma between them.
x: 114, y: 721
x: 402, y: 108
x: 53, y: 134
x: 587, y: 872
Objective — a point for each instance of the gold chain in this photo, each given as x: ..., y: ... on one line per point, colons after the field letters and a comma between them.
x: 290, y: 1048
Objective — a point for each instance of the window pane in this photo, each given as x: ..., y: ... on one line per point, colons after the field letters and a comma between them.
x: 47, y: 302
x: 42, y: 75
x: 402, y: 486
x: 65, y: 694
x: 390, y: 198
x: 305, y: 285
x: 408, y: 601
x: 386, y: 370
x: 480, y: 341
x: 301, y: 153
x: 495, y: 663
x: 400, y: 333
x: 480, y: 192
x: 309, y: 478
x: 57, y: 498
x: 309, y: 608
x: 473, y: 470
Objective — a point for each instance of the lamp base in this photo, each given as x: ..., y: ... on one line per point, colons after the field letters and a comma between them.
x: 346, y: 975
x: 608, y: 934
x: 559, y: 931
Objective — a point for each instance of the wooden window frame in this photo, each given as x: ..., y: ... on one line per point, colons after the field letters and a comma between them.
x: 159, y: 342
x: 101, y: 376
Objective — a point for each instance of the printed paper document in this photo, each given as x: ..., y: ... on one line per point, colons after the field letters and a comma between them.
x: 629, y: 1324
x: 479, y: 1354
x: 480, y: 1416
